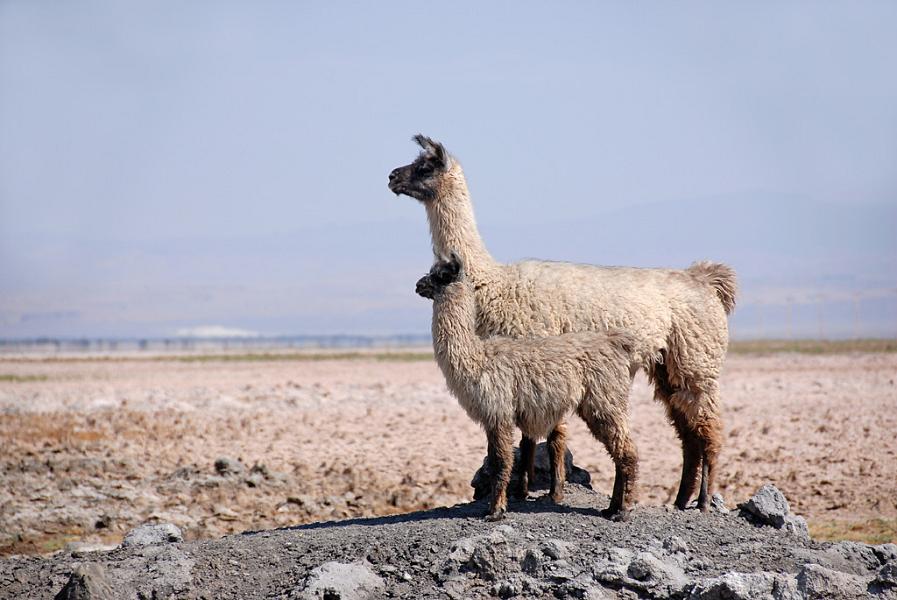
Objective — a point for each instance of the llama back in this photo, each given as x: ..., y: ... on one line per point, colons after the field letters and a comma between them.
x: 543, y: 298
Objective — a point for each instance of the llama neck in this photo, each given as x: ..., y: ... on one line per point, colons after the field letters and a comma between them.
x: 459, y: 351
x: 453, y: 227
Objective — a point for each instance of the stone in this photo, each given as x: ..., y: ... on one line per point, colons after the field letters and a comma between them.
x: 768, y: 505
x: 532, y: 561
x: 654, y: 575
x: 746, y: 586
x: 797, y: 526
x: 482, y: 479
x: 556, y: 549
x: 718, y: 504
x: 87, y: 582
x: 675, y: 545
x: 818, y: 583
x: 224, y: 465
x: 342, y: 581
x: 611, y: 568
x: 82, y: 549
x: 887, y: 575
x: 853, y: 557
x: 148, y: 535
x: 885, y: 552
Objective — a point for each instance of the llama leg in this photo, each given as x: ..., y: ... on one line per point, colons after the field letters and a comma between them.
x: 691, y: 447
x: 502, y: 440
x: 710, y: 431
x: 612, y: 430
x: 557, y: 447
x: 526, y: 466
x: 695, y: 410
x: 691, y: 456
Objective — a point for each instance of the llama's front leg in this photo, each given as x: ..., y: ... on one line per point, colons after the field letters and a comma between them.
x: 501, y: 439
x: 557, y: 447
x: 526, y: 467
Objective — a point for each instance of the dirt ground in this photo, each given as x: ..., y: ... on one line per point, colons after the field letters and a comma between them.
x: 92, y: 447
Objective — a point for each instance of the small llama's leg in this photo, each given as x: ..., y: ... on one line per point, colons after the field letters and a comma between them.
x: 526, y: 467
x: 557, y: 447
x: 501, y: 439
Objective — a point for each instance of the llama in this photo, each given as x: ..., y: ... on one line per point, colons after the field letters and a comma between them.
x: 677, y: 317
x: 533, y: 384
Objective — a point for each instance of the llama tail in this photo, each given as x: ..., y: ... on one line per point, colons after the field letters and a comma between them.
x: 721, y: 277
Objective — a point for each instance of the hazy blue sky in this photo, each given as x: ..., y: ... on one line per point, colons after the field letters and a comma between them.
x: 169, y: 165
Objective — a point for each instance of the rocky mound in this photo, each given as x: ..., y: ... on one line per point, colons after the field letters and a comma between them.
x: 540, y: 550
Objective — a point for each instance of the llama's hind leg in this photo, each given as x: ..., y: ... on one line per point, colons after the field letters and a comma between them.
x: 691, y: 456
x: 526, y: 467
x: 501, y: 441
x: 691, y: 446
x: 709, y: 429
x: 698, y: 413
x: 557, y: 448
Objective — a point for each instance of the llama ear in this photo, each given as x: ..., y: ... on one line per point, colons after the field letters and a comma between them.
x: 455, y: 262
x: 434, y: 150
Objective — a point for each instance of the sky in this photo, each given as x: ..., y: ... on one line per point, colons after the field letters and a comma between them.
x: 169, y: 166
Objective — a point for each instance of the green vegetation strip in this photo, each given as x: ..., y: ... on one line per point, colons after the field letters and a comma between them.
x: 4, y: 377
x: 813, y: 346
x: 302, y: 357
x: 873, y: 531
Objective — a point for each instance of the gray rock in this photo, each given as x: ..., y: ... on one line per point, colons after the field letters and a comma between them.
x: 87, y: 582
x: 147, y: 535
x: 612, y: 566
x: 649, y: 573
x: 482, y: 479
x: 485, y: 556
x: 342, y: 581
x: 556, y: 549
x: 746, y: 586
x: 818, y: 583
x: 887, y: 575
x: 224, y: 465
x: 717, y: 504
x: 82, y: 549
x: 853, y: 557
x: 675, y: 545
x: 885, y: 552
x: 797, y: 526
x: 532, y: 562
x: 768, y: 505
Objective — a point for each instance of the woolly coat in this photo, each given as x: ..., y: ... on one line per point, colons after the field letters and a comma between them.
x: 671, y: 313
x: 531, y: 383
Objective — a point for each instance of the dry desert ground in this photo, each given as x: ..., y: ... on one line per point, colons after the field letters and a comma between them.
x: 92, y: 446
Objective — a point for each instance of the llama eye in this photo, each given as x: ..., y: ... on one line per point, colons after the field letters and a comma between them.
x: 425, y: 169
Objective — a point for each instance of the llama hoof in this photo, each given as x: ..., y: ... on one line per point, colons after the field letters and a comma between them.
x: 496, y: 515
x: 615, y: 515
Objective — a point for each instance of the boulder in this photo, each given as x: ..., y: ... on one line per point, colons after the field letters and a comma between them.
x: 482, y: 479
x: 342, y: 581
x: 768, y: 506
x: 148, y: 535
x: 818, y: 583
x: 87, y: 582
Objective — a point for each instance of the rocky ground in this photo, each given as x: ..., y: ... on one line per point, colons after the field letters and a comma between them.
x: 539, y: 551
x: 94, y: 447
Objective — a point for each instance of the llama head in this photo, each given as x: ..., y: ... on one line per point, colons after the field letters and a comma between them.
x: 443, y: 273
x: 423, y: 178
